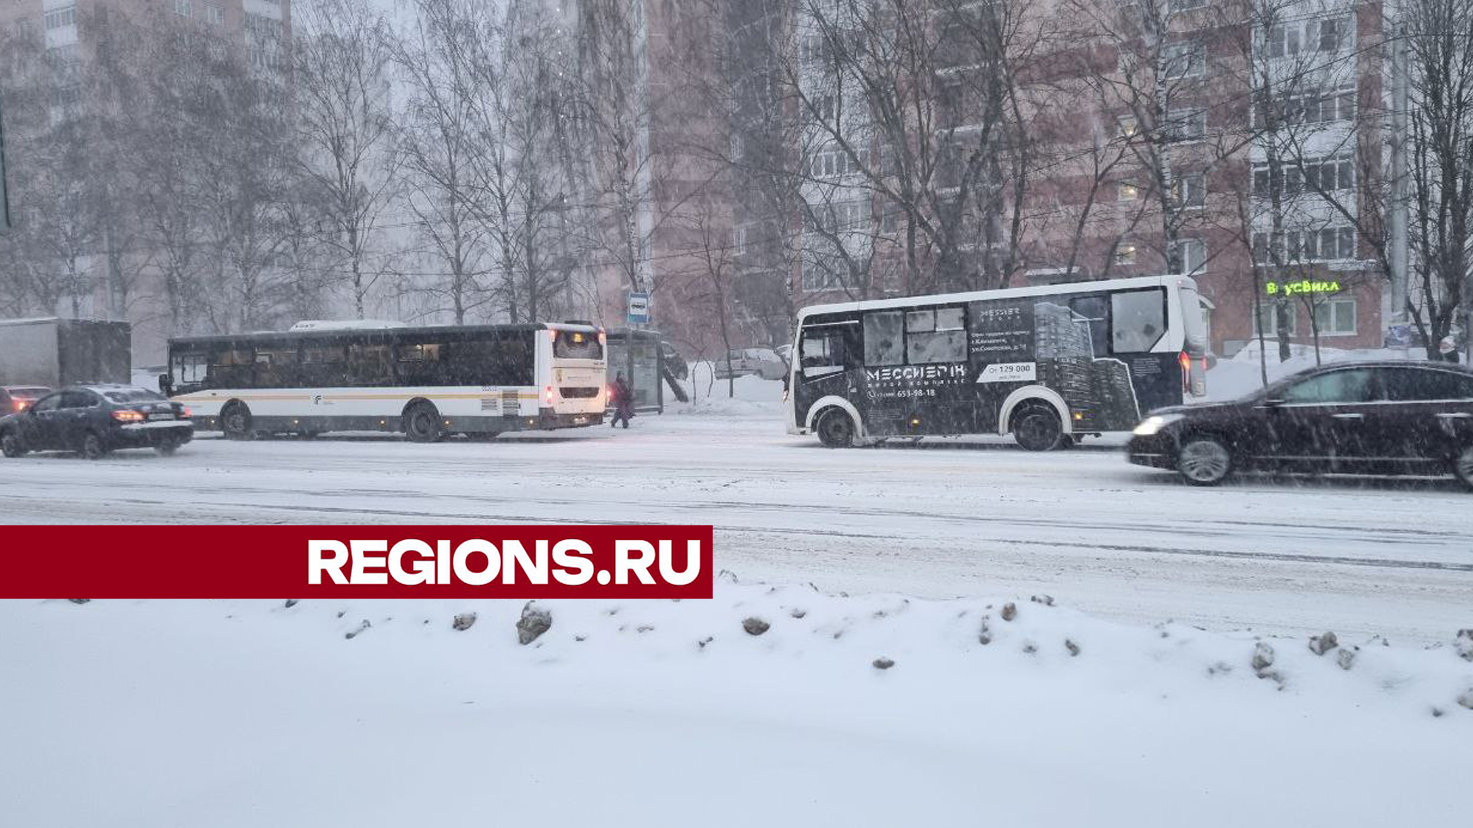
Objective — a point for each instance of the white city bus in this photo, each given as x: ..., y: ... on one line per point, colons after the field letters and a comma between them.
x: 1046, y: 364
x: 424, y: 381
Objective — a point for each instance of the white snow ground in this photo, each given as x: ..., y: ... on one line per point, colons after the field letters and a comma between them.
x: 226, y: 714
x: 942, y: 519
x: 247, y: 713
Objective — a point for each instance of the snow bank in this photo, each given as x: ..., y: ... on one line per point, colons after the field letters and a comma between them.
x: 876, y: 710
x: 1242, y: 375
x: 754, y: 396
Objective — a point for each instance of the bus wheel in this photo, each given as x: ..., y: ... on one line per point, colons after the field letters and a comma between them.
x: 1037, y: 428
x: 836, y: 428
x: 422, y: 423
x: 235, y: 421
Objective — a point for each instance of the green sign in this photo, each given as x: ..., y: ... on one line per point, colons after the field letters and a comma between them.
x: 1301, y: 287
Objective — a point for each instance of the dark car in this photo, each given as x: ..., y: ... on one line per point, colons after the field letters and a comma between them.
x: 96, y: 419
x: 15, y: 398
x: 1348, y: 418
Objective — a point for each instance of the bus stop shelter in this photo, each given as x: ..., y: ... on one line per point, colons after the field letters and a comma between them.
x: 638, y: 355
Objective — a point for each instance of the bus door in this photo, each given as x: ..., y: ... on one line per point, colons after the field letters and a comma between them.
x: 828, y: 359
x: 1138, y: 323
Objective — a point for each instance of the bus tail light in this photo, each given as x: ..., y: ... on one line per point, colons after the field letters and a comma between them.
x: 128, y: 416
x: 548, y: 395
x: 1185, y: 360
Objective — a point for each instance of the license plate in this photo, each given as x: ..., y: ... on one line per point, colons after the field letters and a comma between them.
x: 161, y: 416
x: 580, y: 420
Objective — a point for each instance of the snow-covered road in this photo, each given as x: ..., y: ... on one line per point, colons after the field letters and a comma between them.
x: 937, y: 520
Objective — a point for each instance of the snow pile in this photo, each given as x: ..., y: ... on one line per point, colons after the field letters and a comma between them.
x: 777, y: 705
x: 1242, y: 375
x: 754, y: 396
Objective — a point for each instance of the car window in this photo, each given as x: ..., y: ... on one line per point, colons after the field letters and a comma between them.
x: 78, y: 399
x: 1413, y: 384
x: 50, y: 403
x: 134, y: 395
x: 1349, y: 386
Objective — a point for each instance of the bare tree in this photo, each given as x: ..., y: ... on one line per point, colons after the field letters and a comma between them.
x: 343, y: 134
x: 437, y: 136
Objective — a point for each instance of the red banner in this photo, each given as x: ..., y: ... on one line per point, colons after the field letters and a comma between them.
x: 515, y: 562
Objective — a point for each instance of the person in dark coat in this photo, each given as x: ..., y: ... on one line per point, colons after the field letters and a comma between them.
x: 623, y: 401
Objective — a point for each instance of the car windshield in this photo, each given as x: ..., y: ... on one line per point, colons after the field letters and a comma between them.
x: 133, y: 395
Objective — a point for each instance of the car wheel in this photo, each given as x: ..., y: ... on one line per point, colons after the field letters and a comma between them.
x: 235, y: 421
x: 836, y: 428
x: 167, y: 447
x: 11, y: 446
x: 1037, y: 428
x: 1204, y: 461
x: 422, y: 424
x: 92, y: 447
x: 1462, y: 466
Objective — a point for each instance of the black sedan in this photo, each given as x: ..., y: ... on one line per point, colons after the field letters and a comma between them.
x: 96, y: 419
x: 1392, y: 417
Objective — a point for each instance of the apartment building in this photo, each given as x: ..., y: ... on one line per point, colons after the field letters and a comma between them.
x: 1233, y: 142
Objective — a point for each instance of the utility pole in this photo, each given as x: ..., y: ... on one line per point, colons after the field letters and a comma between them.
x: 1398, y: 208
x: 4, y: 201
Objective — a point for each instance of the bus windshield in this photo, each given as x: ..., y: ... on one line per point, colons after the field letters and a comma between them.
x: 576, y: 345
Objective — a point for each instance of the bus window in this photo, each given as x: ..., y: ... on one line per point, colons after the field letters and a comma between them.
x: 935, y: 335
x: 277, y: 368
x: 233, y: 369
x: 324, y: 365
x: 823, y: 351
x: 418, y: 364
x: 190, y: 369
x: 884, y: 340
x: 1138, y: 320
x: 1096, y: 311
x: 370, y: 366
x: 576, y: 345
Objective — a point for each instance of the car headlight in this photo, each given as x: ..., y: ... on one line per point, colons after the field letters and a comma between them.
x: 1153, y: 425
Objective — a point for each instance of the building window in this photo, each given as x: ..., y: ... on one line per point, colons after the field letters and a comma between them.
x: 1311, y: 175
x: 1179, y: 6
x: 739, y: 240
x: 1186, y: 124
x: 1306, y: 106
x: 1187, y: 59
x: 1127, y: 191
x: 1189, y: 191
x: 1125, y: 254
x: 1130, y: 126
x: 822, y: 273
x: 1267, y: 321
x: 215, y: 13
x: 1192, y: 256
x: 61, y: 18
x: 1327, y: 34
x: 1335, y: 317
x: 1325, y: 244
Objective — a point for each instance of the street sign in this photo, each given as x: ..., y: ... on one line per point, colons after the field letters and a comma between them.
x: 639, y: 308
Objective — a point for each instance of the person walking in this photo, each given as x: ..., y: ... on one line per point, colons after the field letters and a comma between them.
x: 623, y: 401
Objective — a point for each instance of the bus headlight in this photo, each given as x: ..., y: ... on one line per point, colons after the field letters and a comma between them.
x: 1153, y: 425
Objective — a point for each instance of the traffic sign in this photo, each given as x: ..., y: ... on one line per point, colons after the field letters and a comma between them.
x: 639, y: 308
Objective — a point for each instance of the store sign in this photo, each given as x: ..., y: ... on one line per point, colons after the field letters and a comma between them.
x: 1301, y: 287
